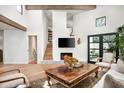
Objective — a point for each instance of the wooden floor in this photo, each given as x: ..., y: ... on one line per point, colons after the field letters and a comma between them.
x: 33, y: 62
x: 32, y: 71
x: 1, y: 63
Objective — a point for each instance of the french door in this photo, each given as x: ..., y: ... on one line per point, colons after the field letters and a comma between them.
x: 99, y: 44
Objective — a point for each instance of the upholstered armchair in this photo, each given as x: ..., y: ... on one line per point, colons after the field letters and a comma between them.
x: 107, y: 59
x: 13, y: 79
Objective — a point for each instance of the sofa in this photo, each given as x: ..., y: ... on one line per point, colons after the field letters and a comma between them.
x: 13, y: 79
x: 114, y: 72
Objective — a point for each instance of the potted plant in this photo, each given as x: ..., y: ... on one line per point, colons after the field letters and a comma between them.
x: 119, y: 43
x: 111, y: 48
x: 70, y: 62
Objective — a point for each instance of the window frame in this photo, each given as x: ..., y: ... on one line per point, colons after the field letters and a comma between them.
x: 21, y: 12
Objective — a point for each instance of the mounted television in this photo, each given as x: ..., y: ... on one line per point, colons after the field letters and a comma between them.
x: 66, y: 42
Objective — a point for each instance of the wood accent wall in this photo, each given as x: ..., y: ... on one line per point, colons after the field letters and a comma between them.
x: 12, y: 23
x: 60, y: 7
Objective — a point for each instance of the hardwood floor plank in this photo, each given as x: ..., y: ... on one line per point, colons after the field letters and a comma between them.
x: 32, y: 71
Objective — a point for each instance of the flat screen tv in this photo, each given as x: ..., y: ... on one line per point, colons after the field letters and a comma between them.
x: 66, y: 42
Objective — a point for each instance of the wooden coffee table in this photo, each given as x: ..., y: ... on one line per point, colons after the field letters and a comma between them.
x: 71, y: 78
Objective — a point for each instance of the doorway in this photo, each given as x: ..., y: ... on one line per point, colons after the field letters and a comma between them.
x: 32, y: 49
x: 99, y: 44
x: 1, y: 46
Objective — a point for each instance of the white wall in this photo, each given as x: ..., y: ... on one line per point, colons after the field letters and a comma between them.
x: 60, y: 31
x: 84, y: 25
x: 1, y: 39
x: 38, y: 26
x: 15, y: 47
x: 16, y: 42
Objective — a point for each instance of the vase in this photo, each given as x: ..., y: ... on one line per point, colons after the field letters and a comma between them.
x: 71, y: 68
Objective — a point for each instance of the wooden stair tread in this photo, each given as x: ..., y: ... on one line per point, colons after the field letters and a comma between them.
x: 48, y: 52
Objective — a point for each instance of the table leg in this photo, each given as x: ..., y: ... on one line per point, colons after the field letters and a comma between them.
x: 96, y: 74
x: 48, y: 80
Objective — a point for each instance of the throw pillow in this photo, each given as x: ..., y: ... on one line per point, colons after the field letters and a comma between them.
x: 120, y: 66
x: 112, y: 82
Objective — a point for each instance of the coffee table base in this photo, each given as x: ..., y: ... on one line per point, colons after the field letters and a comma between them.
x: 66, y: 85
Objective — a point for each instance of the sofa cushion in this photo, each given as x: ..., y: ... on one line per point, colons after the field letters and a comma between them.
x: 13, y: 80
x: 116, y: 74
x: 11, y: 84
x: 114, y: 66
x: 103, y: 64
x: 120, y: 66
x: 112, y: 82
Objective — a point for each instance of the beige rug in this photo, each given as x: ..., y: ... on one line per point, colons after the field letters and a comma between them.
x: 87, y: 83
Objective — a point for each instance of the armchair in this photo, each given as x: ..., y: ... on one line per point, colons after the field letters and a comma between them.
x: 13, y: 80
x: 106, y: 60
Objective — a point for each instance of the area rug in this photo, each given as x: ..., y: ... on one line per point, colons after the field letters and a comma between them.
x: 87, y: 83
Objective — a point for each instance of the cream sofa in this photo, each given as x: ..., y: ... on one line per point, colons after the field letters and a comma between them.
x: 9, y: 79
x: 113, y: 72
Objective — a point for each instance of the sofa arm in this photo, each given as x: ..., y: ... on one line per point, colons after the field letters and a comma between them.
x: 7, y: 78
x: 114, y: 66
x: 98, y: 59
x: 10, y: 79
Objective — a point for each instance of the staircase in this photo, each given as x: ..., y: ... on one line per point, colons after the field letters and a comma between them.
x: 49, y: 36
x: 48, y: 53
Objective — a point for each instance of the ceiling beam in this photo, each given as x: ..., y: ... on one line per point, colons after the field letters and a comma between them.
x: 12, y: 23
x: 60, y: 7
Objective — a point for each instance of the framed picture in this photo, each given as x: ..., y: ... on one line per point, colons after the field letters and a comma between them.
x: 101, y: 21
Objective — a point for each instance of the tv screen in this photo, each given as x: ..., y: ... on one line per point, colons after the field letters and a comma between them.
x: 66, y: 42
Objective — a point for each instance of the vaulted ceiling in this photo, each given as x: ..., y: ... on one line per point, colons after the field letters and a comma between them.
x: 70, y: 9
x: 70, y: 14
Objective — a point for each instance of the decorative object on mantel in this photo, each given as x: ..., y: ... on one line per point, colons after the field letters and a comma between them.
x: 71, y: 34
x: 101, y: 21
x: 78, y: 41
x: 71, y: 62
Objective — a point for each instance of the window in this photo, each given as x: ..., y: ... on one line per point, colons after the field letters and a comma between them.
x: 20, y: 9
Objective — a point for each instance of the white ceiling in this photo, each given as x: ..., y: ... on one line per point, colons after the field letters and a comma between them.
x: 70, y: 14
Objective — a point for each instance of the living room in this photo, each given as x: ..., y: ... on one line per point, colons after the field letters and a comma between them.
x: 71, y: 38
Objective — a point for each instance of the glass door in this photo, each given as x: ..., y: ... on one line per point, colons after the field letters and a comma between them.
x: 108, y: 45
x: 94, y: 46
x: 99, y: 44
